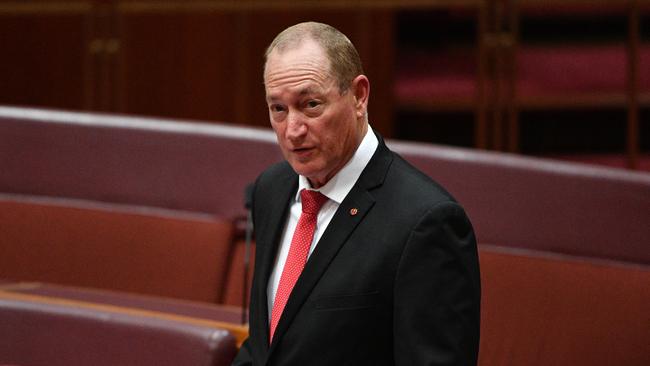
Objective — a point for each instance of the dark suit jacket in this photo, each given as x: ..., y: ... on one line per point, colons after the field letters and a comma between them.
x: 395, y: 284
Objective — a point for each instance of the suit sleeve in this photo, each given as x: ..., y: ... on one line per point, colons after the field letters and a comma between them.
x: 243, y: 357
x: 437, y: 292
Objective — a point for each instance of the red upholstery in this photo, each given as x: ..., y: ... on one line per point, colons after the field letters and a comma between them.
x: 184, y: 166
x: 512, y: 201
x: 609, y: 160
x: 51, y: 333
x: 536, y: 310
x: 450, y: 75
x: 153, y: 252
x: 194, y: 309
x: 548, y: 310
x: 436, y: 76
x: 544, y: 205
x: 562, y: 69
x: 233, y: 292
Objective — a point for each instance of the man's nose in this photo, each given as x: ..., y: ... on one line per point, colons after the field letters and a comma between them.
x: 296, y: 126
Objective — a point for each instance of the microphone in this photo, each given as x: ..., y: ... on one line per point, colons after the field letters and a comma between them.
x: 248, y: 203
x: 248, y: 195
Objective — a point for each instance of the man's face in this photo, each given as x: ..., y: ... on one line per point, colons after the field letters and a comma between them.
x: 317, y: 127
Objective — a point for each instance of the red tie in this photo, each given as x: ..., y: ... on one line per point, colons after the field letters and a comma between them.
x: 312, y: 201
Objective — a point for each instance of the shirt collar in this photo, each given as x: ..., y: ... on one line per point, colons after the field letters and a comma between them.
x: 341, y: 184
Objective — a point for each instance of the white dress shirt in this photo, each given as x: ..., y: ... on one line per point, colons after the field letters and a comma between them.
x: 336, y: 189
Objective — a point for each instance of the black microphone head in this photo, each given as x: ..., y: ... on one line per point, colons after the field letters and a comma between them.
x: 248, y: 196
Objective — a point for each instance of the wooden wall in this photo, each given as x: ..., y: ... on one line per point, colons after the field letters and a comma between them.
x: 184, y: 59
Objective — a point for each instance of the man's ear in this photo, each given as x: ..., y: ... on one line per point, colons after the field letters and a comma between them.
x: 361, y: 89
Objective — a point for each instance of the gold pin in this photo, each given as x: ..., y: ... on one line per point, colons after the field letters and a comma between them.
x: 353, y: 211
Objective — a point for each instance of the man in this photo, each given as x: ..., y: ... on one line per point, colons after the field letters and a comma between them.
x: 391, y: 274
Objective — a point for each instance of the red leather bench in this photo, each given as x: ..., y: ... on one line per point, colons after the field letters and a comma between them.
x: 136, y: 249
x: 548, y: 309
x: 449, y: 77
x: 234, y: 288
x: 185, y: 166
x: 544, y: 205
x: 42, y: 330
x: 512, y: 201
x: 123, y: 171
x: 195, y: 312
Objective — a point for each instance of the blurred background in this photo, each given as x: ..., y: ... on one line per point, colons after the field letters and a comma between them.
x: 124, y: 240
x: 566, y: 79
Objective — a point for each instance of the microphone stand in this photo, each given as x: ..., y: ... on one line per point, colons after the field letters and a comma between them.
x: 248, y: 200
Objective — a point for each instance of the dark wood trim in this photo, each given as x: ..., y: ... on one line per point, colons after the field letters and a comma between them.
x: 45, y: 7
x: 481, y: 128
x: 512, y: 135
x: 240, y: 332
x: 221, y: 5
x: 632, y: 138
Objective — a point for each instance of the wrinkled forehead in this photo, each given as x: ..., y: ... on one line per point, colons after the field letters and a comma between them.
x: 300, y: 54
x: 296, y: 79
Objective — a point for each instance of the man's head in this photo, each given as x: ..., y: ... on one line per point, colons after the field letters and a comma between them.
x: 345, y: 63
x: 317, y: 97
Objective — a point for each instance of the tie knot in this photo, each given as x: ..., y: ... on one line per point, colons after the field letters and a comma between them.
x: 312, y: 201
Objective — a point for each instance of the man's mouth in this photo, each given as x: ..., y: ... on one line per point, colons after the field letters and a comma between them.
x: 302, y: 151
x: 301, y: 148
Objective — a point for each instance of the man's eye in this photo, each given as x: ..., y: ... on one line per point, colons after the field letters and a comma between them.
x: 277, y: 108
x: 313, y: 104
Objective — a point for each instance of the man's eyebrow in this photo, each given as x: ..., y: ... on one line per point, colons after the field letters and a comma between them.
x: 309, y: 90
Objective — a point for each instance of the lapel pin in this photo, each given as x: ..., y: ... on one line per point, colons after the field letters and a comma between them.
x: 353, y: 211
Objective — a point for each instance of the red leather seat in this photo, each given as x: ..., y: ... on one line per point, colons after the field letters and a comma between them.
x: 544, y: 205
x: 58, y: 333
x: 545, y: 309
x: 163, y: 253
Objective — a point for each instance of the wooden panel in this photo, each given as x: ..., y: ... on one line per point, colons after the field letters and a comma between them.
x: 45, y: 60
x: 172, y: 59
x: 206, y: 62
x: 177, y: 64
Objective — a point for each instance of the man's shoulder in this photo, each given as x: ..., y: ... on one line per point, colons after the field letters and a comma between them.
x: 277, y: 170
x: 277, y: 174
x: 409, y: 180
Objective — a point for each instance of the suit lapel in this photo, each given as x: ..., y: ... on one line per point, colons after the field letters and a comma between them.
x: 268, y: 241
x: 335, y: 236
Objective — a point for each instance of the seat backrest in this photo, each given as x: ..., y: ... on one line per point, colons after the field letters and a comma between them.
x: 233, y: 293
x: 187, y: 166
x: 541, y: 204
x: 142, y: 250
x: 512, y: 200
x: 57, y: 333
x: 540, y: 310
